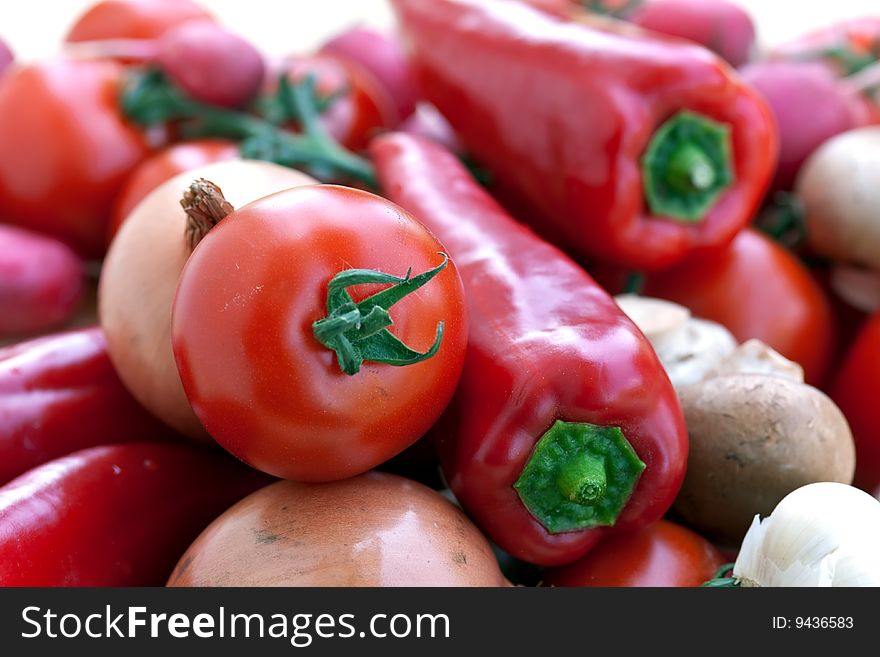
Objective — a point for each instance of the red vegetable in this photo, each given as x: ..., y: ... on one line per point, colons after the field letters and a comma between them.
x: 164, y: 165
x: 65, y: 150
x: 757, y: 289
x: 355, y: 106
x: 564, y: 422
x: 719, y: 25
x: 382, y: 56
x: 6, y: 56
x: 663, y: 554
x: 211, y: 64
x: 846, y: 47
x: 855, y: 392
x: 60, y: 394
x: 134, y: 19
x: 117, y: 515
x: 293, y: 378
x: 789, y: 87
x: 630, y: 149
x: 41, y: 282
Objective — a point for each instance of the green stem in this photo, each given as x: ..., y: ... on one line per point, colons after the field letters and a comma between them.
x: 687, y: 166
x: 582, y: 479
x: 690, y: 169
x: 635, y: 283
x: 150, y: 99
x: 578, y: 476
x: 723, y: 578
x: 357, y: 332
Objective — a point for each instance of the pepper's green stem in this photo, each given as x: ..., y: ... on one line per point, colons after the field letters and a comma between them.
x: 579, y: 476
x: 357, y: 332
x: 150, y: 99
x: 582, y: 479
x: 687, y: 166
x: 690, y: 170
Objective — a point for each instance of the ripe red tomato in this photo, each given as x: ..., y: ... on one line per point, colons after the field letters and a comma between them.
x: 663, y: 554
x: 242, y: 330
x: 164, y: 165
x: 133, y: 19
x: 757, y: 289
x: 360, y: 107
x: 855, y: 391
x: 65, y: 150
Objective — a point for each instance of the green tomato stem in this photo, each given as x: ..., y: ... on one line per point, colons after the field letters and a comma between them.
x: 358, y: 332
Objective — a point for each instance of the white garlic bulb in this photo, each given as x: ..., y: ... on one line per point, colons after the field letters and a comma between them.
x: 824, y: 534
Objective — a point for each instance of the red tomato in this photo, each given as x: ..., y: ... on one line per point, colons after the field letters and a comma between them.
x: 663, y: 554
x: 65, y: 150
x: 133, y: 19
x: 163, y: 166
x: 361, y: 106
x: 757, y: 289
x: 855, y: 391
x: 258, y: 379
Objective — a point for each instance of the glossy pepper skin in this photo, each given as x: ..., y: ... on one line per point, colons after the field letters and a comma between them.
x: 118, y: 515
x: 855, y: 392
x: 60, y: 394
x: 568, y: 116
x: 546, y: 344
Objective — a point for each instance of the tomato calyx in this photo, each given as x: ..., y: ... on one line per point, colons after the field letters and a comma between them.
x: 358, y: 332
x: 149, y: 99
x: 205, y: 206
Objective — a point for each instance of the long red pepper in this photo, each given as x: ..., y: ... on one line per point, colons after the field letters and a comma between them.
x: 115, y: 515
x: 624, y: 147
x: 60, y: 394
x: 564, y: 423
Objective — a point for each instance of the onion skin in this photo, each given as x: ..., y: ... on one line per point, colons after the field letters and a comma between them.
x: 164, y: 165
x: 372, y: 530
x: 140, y: 275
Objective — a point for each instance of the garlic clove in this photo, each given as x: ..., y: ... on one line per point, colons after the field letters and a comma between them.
x: 824, y: 534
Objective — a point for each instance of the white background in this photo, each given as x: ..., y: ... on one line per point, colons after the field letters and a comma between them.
x: 34, y: 27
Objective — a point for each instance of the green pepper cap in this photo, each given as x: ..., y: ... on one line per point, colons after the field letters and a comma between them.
x: 579, y: 476
x: 687, y: 166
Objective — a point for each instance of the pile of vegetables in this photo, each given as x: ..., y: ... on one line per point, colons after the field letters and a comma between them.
x: 530, y: 292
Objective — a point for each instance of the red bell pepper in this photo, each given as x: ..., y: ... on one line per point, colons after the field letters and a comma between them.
x: 564, y: 423
x: 855, y: 392
x: 60, y: 394
x: 118, y: 515
x: 627, y: 148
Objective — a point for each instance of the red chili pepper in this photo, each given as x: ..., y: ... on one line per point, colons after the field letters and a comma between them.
x: 118, y: 515
x: 60, y: 394
x: 855, y: 391
x: 631, y: 149
x: 564, y: 423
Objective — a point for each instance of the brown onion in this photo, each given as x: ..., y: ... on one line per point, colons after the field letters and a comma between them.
x: 139, y: 279
x: 373, y: 530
